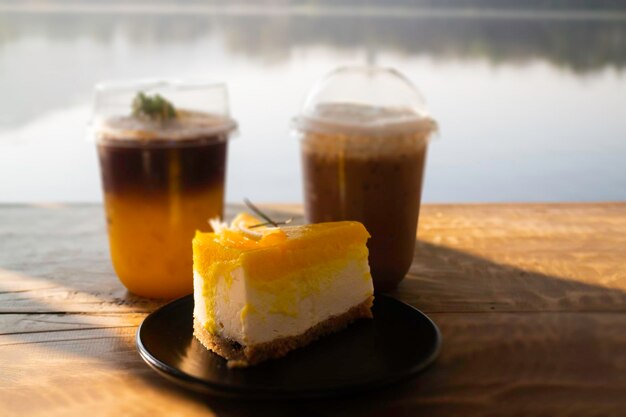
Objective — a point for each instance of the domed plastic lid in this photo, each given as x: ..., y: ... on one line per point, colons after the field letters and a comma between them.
x: 160, y: 110
x: 364, y: 100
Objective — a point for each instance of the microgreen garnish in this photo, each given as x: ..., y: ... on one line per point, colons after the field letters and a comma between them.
x: 153, y: 107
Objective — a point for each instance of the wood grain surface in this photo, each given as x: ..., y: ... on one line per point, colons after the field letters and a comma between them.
x: 530, y: 298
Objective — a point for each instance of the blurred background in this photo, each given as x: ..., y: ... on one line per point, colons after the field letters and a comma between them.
x: 530, y: 95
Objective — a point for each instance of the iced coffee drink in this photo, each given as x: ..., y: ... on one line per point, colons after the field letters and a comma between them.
x: 163, y: 174
x: 365, y: 161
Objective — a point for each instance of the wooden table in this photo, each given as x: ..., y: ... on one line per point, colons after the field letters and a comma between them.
x: 530, y: 298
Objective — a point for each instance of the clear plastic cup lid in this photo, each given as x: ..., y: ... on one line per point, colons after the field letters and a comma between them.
x: 364, y: 100
x: 160, y: 110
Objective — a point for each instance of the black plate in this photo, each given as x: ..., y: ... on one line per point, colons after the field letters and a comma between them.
x: 399, y: 342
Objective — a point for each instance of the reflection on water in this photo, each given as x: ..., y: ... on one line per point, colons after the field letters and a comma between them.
x: 530, y: 109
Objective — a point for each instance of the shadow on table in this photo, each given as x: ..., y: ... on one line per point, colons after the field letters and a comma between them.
x: 443, y: 279
x: 373, y: 403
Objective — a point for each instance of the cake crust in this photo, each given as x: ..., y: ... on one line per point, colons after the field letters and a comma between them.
x: 243, y: 356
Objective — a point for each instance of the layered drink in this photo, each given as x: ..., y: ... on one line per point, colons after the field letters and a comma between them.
x: 163, y: 178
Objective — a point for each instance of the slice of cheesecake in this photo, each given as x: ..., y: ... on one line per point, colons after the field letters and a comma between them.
x: 261, y: 292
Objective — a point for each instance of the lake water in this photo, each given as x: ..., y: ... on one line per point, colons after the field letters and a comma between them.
x: 530, y: 108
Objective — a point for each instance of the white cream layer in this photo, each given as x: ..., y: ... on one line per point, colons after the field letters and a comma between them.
x: 246, y: 314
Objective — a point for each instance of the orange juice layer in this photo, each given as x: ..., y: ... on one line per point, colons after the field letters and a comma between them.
x: 280, y: 253
x: 150, y: 238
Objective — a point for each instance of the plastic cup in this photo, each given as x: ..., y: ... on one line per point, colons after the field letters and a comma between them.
x: 162, y: 179
x: 364, y: 132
